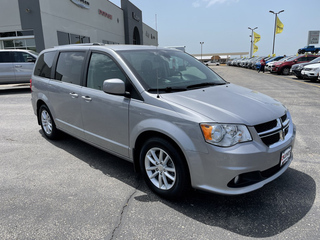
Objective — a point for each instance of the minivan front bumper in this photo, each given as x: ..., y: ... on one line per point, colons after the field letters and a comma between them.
x: 242, y: 168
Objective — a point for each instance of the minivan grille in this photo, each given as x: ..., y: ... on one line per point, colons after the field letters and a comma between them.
x: 273, y: 131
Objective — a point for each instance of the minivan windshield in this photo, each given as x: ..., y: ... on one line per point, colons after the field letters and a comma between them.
x: 169, y: 70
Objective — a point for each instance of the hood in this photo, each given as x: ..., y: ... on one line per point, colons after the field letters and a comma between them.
x: 313, y: 65
x: 227, y: 104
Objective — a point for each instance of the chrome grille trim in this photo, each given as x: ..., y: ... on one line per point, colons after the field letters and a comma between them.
x: 276, y: 133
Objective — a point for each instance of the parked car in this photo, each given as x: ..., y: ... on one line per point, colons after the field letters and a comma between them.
x: 175, y: 119
x: 311, y: 71
x: 297, y: 68
x: 271, y: 65
x: 212, y: 63
x: 311, y: 49
x: 269, y: 59
x: 284, y: 67
x: 16, y: 66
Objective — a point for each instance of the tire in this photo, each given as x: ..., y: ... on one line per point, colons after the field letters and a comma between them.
x: 285, y: 71
x: 47, y: 124
x: 164, y: 169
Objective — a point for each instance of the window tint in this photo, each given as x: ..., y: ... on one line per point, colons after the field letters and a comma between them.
x: 69, y: 67
x: 6, y: 57
x: 102, y: 67
x: 44, y: 65
x: 22, y: 57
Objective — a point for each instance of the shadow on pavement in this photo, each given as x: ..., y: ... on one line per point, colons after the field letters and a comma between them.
x: 262, y: 213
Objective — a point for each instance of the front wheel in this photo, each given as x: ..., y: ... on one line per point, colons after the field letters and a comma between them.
x: 47, y: 124
x: 285, y: 71
x: 164, y: 169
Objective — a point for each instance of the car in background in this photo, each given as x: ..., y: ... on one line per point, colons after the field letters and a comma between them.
x: 269, y: 59
x: 284, y: 67
x: 271, y: 64
x: 297, y: 68
x: 311, y: 71
x: 212, y: 63
x: 311, y: 49
x: 16, y: 65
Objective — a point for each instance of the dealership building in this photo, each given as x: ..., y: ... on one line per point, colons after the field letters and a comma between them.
x: 41, y: 24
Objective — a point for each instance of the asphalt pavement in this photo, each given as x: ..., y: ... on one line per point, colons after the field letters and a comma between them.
x: 67, y: 189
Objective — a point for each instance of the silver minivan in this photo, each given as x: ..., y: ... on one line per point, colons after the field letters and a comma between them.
x: 176, y: 120
x: 16, y: 65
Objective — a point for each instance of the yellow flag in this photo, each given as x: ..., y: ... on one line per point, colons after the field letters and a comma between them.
x: 256, y: 37
x: 255, y: 48
x: 279, y: 26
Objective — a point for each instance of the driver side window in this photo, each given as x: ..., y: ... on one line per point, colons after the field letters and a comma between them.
x: 102, y: 67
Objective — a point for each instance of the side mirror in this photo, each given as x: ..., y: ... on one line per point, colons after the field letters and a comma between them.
x: 29, y: 59
x: 114, y: 86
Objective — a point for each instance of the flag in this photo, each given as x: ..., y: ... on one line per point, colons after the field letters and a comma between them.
x: 256, y: 37
x: 279, y: 26
x: 255, y: 48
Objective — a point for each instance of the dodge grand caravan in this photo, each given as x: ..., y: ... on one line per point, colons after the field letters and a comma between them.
x: 16, y: 65
x: 176, y: 120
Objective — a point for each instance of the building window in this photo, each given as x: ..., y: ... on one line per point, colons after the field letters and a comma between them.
x: 18, y: 40
x: 69, y: 38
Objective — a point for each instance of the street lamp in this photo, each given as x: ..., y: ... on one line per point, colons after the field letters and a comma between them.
x: 201, y: 49
x: 275, y: 27
x: 251, y: 39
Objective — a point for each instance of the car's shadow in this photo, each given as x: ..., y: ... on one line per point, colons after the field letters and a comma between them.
x: 262, y: 213
x: 14, y: 89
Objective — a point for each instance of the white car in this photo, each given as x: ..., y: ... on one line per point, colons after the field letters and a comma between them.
x: 212, y: 63
x: 311, y: 71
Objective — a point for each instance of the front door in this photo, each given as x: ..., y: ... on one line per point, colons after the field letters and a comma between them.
x: 104, y: 116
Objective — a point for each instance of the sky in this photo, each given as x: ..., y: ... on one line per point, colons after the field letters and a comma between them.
x: 223, y: 24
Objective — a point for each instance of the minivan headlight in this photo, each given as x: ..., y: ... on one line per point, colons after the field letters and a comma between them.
x: 225, y: 135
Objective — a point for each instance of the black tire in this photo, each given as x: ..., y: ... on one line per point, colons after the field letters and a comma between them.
x: 47, y: 124
x: 285, y: 71
x: 164, y: 169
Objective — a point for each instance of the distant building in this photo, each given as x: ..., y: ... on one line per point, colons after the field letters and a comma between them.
x: 40, y: 24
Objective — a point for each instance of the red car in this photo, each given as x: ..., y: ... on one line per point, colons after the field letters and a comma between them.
x: 284, y: 67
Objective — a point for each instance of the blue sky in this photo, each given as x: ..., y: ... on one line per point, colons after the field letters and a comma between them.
x: 223, y: 24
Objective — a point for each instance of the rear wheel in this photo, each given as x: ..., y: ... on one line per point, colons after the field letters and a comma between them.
x: 47, y: 124
x: 164, y: 169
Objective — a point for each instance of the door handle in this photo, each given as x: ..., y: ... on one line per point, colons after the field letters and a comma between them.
x: 18, y: 66
x: 74, y: 95
x: 87, y: 98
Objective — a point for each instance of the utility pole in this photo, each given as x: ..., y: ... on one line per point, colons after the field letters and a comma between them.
x: 251, y: 39
x: 201, y: 43
x: 275, y: 27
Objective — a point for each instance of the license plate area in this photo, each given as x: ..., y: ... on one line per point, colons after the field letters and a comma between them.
x: 285, y: 156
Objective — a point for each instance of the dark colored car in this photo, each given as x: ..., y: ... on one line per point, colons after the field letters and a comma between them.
x: 284, y: 67
x: 311, y: 49
x: 297, y: 68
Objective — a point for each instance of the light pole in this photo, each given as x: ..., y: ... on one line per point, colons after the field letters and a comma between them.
x: 275, y: 27
x: 201, y: 49
x: 251, y: 39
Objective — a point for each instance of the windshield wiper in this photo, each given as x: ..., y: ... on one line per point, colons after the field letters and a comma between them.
x: 205, y: 84
x: 167, y: 89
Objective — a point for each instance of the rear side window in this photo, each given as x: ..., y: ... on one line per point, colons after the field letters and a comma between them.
x: 69, y: 67
x: 6, y: 57
x: 44, y: 65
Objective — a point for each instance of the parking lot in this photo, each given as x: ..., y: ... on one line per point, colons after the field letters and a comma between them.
x: 67, y: 189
